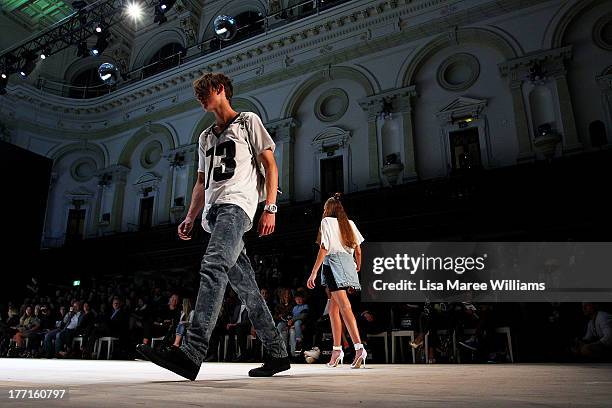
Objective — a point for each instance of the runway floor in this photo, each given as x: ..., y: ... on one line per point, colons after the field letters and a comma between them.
x: 142, y: 384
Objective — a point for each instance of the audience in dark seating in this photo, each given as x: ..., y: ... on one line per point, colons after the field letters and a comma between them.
x: 131, y: 309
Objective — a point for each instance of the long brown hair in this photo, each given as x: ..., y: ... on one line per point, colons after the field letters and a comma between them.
x: 333, y: 208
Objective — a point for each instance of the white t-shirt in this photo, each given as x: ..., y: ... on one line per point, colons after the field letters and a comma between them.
x: 331, y: 238
x: 226, y: 159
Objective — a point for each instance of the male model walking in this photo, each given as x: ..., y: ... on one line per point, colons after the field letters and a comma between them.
x: 227, y: 189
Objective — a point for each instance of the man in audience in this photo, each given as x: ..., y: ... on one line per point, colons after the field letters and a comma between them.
x: 65, y: 336
x: 596, y: 343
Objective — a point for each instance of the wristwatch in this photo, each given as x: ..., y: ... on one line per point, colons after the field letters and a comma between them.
x: 271, y: 208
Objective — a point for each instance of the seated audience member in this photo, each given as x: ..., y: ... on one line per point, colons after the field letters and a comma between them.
x: 239, y: 326
x: 48, y: 348
x: 46, y: 324
x: 284, y: 306
x: 164, y: 322
x: 87, y: 323
x: 28, y: 325
x: 299, y: 313
x: 184, y: 322
x: 596, y: 343
x: 8, y: 329
x: 139, y: 315
x: 65, y: 336
x: 113, y: 324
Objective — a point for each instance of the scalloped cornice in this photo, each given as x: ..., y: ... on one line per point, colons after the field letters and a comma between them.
x: 354, y: 30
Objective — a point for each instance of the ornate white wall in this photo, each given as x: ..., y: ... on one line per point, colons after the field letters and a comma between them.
x: 324, y: 81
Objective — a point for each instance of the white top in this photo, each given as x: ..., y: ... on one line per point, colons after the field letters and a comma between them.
x: 227, y: 162
x: 331, y: 238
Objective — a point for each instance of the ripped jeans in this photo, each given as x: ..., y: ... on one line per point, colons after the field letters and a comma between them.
x: 225, y: 260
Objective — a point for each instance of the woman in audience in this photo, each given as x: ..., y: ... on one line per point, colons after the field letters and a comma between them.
x: 340, y: 256
x: 184, y: 322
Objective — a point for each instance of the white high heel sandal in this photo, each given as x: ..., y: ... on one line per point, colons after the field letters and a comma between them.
x: 339, y: 359
x: 361, y: 360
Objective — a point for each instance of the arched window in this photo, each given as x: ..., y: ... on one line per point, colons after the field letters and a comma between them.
x: 87, y: 85
x: 250, y: 23
x: 168, y: 56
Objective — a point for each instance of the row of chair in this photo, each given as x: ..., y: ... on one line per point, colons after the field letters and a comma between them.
x: 397, y: 335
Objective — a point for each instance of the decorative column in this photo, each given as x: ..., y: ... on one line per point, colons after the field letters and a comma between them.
x: 571, y: 142
x: 373, y: 106
x: 283, y: 132
x: 181, y: 171
x: 111, y: 192
x: 404, y: 107
x: 546, y: 69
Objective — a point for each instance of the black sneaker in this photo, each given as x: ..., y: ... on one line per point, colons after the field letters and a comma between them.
x: 270, y: 367
x: 171, y: 358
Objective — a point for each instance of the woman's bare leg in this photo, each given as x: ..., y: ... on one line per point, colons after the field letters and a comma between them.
x: 336, y: 326
x: 346, y: 311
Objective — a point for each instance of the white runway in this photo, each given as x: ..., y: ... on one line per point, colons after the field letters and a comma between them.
x: 142, y: 384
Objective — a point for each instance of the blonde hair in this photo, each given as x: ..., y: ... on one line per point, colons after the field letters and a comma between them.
x: 186, y: 307
x: 333, y: 208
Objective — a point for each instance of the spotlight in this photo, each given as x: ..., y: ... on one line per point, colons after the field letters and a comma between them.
x: 44, y: 53
x: 3, y: 82
x: 29, y: 64
x: 226, y: 27
x: 82, y: 49
x: 134, y: 10
x: 161, y: 9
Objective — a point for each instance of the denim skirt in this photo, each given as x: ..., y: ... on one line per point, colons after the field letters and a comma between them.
x: 343, y: 272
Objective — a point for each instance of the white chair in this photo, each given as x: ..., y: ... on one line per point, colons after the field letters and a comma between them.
x: 506, y: 330
x: 109, y: 349
x: 384, y: 335
x: 498, y: 330
x: 154, y: 339
x: 250, y: 340
x: 78, y: 339
x: 440, y: 332
x: 397, y: 335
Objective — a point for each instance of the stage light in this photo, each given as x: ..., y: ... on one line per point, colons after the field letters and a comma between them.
x: 225, y: 27
x: 44, y: 54
x: 134, y: 10
x: 109, y: 74
x: 28, y: 65
x: 3, y: 82
x: 161, y: 9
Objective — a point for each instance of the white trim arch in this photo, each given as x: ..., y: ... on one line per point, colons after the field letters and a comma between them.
x: 155, y: 43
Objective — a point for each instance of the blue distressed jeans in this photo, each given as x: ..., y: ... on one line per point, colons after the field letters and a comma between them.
x: 225, y: 260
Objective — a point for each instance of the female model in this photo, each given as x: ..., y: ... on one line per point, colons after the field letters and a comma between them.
x: 340, y: 255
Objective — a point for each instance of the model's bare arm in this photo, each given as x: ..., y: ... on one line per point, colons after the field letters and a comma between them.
x: 317, y: 265
x: 197, y: 202
x: 267, y: 222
